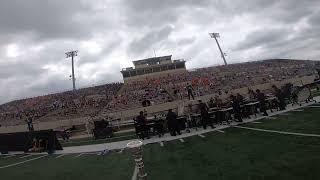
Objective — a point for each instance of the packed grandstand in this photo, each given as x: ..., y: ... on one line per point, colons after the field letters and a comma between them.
x: 151, y: 90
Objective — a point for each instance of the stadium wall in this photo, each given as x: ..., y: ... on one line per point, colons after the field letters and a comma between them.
x: 45, y: 125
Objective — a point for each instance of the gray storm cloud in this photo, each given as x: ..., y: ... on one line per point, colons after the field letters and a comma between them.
x: 35, y: 34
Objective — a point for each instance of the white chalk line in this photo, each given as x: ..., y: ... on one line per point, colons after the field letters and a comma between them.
x: 26, y: 156
x: 270, y: 117
x: 279, y: 132
x: 97, y: 140
x: 285, y: 114
x: 220, y: 131
x: 121, y: 150
x: 78, y: 155
x: 9, y: 156
x: 298, y: 110
x: 22, y: 162
x: 256, y: 122
x: 60, y: 156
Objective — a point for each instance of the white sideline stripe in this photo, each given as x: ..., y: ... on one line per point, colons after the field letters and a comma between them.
x: 77, y: 142
x: 256, y: 122
x: 201, y: 135
x: 285, y: 114
x: 270, y: 117
x: 15, y: 164
x: 9, y: 156
x: 161, y: 144
x: 79, y: 155
x: 60, y: 155
x: 181, y: 140
x: 26, y: 156
x: 135, y: 173
x: 297, y: 110
x: 121, y: 151
x: 279, y: 132
x: 220, y: 131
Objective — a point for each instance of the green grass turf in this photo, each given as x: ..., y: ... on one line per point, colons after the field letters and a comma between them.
x: 86, y: 167
x: 88, y: 141
x: 236, y: 154
x: 315, y: 93
x: 307, y: 121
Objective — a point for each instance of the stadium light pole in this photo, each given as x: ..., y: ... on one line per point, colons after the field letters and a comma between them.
x: 72, y: 54
x: 215, y: 36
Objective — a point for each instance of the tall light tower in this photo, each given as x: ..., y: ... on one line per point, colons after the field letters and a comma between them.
x: 215, y: 36
x: 72, y: 54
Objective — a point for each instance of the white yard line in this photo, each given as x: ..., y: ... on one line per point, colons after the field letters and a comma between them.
x: 256, y: 122
x: 279, y: 132
x: 26, y: 156
x: 78, y: 155
x: 201, y: 135
x: 60, y: 155
x: 97, y: 140
x: 135, y: 173
x: 181, y: 140
x: 220, y: 131
x: 9, y: 156
x: 285, y: 114
x: 121, y: 151
x: 161, y: 144
x: 270, y: 117
x: 22, y: 162
x: 297, y: 110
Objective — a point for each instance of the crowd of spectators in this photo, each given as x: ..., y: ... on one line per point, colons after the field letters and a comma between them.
x: 65, y: 104
x: 209, y: 80
x: 153, y: 90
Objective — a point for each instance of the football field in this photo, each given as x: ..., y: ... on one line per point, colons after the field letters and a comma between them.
x: 285, y: 146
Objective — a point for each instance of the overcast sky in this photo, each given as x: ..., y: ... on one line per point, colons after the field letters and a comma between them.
x: 35, y: 34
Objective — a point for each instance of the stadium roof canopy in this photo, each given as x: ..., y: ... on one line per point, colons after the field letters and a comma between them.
x: 153, y: 60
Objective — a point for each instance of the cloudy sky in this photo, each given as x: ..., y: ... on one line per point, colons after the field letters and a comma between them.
x: 109, y: 34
